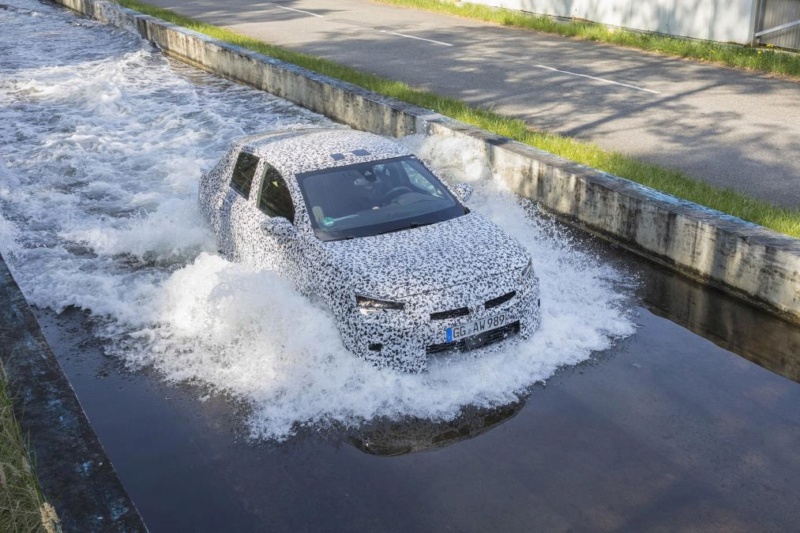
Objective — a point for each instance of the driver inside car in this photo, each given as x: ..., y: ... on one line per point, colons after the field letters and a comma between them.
x: 372, y: 186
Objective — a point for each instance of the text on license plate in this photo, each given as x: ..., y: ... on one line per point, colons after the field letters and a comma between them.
x: 476, y: 327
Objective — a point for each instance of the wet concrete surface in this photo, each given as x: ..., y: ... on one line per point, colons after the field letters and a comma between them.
x: 669, y: 430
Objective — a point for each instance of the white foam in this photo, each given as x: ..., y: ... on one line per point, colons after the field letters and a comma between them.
x: 175, y: 230
x: 98, y: 173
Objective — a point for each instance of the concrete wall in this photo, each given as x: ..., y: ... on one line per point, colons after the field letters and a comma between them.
x: 713, y: 20
x: 756, y: 264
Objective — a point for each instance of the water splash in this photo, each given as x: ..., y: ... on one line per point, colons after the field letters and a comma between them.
x: 99, y: 162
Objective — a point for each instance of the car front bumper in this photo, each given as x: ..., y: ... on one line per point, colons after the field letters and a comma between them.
x: 406, y: 339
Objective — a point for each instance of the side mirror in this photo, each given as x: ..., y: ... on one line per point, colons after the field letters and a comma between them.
x: 279, y: 227
x: 464, y: 191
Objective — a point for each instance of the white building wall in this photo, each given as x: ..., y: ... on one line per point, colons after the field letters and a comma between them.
x: 714, y: 20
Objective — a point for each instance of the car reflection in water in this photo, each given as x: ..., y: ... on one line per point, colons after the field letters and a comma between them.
x: 392, y: 438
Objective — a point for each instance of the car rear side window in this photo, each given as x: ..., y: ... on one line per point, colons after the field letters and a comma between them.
x: 275, y: 199
x: 243, y: 173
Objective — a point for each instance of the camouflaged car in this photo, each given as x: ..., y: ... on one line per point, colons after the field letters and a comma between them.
x: 359, y: 222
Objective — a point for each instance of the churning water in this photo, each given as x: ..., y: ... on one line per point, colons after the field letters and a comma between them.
x: 101, y: 146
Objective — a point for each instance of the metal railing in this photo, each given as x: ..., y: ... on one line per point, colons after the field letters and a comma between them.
x: 777, y: 22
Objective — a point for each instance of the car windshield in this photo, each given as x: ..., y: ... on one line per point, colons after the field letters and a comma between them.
x: 376, y: 197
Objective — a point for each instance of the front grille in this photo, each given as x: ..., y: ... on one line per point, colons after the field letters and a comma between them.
x: 477, y: 341
x: 452, y: 313
x: 456, y: 346
x: 500, y: 300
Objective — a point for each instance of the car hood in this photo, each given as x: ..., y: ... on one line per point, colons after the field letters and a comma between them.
x: 404, y: 263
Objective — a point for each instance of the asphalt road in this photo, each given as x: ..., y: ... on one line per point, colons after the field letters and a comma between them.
x: 731, y: 128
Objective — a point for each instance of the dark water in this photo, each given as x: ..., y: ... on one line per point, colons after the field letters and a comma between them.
x: 666, y: 431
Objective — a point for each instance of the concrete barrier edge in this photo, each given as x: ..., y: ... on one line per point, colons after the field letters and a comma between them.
x: 749, y: 261
x: 75, y: 473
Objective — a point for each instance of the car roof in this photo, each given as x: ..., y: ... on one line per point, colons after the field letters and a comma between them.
x: 309, y: 149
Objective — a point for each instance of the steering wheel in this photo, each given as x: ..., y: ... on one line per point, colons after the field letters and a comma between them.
x: 393, y: 193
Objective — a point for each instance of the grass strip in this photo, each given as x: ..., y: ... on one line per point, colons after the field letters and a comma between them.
x: 764, y: 59
x: 22, y: 505
x: 674, y: 182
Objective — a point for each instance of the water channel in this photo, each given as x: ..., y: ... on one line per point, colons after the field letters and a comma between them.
x: 644, y: 402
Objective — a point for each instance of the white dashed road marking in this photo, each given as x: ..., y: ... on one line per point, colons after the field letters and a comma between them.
x: 300, y: 11
x: 440, y: 43
x: 417, y: 38
x: 597, y: 79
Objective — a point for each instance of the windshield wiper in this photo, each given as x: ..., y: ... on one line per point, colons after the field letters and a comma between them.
x: 410, y: 226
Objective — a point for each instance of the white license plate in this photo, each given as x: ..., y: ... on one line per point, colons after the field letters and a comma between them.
x: 476, y: 327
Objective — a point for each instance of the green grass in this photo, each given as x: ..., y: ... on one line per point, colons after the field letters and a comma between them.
x: 766, y: 59
x: 673, y: 182
x: 22, y: 506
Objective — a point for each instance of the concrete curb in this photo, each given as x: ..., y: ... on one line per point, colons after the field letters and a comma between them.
x: 75, y: 473
x: 749, y: 261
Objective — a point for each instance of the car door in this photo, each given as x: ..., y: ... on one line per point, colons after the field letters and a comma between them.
x: 273, y: 241
x: 234, y: 209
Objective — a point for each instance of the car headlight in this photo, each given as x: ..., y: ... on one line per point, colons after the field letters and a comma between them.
x: 367, y: 305
x: 528, y: 270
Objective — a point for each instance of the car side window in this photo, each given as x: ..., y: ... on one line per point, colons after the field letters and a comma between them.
x: 275, y: 199
x: 243, y: 173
